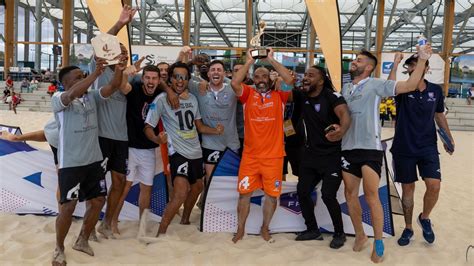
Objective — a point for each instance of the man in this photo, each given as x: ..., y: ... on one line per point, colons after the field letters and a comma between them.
x: 183, y: 143
x: 262, y: 158
x: 322, y: 108
x: 240, y: 110
x: 113, y: 138
x: 141, y: 151
x: 163, y: 67
x: 414, y: 146
x: 362, y: 151
x: 81, y: 175
x: 217, y: 105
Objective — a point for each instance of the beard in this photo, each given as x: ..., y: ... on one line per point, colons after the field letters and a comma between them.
x: 356, y: 72
x: 262, y: 87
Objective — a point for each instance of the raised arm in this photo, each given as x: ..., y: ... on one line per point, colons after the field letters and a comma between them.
x: 117, y: 80
x: 81, y: 87
x: 125, y: 17
x: 396, y: 61
x: 203, y: 129
x: 183, y: 54
x: 284, y: 73
x: 424, y: 53
x: 239, y: 77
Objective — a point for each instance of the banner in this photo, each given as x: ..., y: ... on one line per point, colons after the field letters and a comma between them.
x: 28, y: 183
x: 435, y: 73
x: 325, y: 20
x: 220, y: 206
x: 155, y: 54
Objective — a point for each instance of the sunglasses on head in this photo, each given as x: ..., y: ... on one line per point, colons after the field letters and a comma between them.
x: 179, y: 77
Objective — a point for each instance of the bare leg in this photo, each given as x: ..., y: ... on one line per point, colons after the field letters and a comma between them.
x: 209, y: 168
x: 433, y: 187
x: 90, y: 219
x: 190, y: 201
x: 144, y: 198
x: 351, y: 191
x: 181, y: 189
x: 114, y: 222
x: 268, y: 211
x: 371, y: 191
x: 63, y: 223
x: 243, y: 209
x: 407, y: 203
x: 118, y: 183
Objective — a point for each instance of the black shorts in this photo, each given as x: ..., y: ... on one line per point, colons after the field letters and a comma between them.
x: 55, y: 154
x: 293, y: 156
x: 191, y: 169
x: 116, y: 154
x: 82, y: 182
x: 405, y: 168
x: 353, y: 160
x: 211, y: 156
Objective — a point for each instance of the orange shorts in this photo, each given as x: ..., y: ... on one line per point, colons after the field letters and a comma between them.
x: 263, y: 174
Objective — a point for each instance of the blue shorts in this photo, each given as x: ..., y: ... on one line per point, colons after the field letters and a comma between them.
x: 405, y: 167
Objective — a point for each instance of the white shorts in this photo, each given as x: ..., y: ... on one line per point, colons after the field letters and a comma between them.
x: 141, y: 165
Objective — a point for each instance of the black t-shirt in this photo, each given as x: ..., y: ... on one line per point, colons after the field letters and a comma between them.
x: 138, y: 104
x: 293, y: 112
x: 317, y: 114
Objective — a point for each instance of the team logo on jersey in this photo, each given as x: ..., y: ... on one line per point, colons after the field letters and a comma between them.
x: 317, y: 107
x: 183, y: 169
x: 268, y: 95
x: 431, y: 97
x: 214, y: 157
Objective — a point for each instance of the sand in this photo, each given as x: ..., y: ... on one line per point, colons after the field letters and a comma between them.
x: 31, y: 239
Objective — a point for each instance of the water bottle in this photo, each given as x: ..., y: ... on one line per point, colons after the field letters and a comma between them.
x: 422, y: 40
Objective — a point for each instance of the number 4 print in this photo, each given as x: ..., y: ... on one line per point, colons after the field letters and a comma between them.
x: 244, y: 183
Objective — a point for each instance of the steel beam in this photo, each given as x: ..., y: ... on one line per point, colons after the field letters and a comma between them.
x: 355, y: 16
x: 214, y: 21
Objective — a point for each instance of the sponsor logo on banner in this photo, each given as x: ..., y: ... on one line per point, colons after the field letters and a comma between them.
x: 387, y: 67
x: 290, y: 202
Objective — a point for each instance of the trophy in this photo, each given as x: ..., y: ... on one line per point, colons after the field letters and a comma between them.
x: 107, y: 46
x: 258, y: 52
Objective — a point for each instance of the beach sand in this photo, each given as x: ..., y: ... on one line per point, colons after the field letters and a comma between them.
x: 31, y: 239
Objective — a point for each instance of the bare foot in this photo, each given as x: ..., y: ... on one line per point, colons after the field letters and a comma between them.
x: 59, y: 258
x: 265, y: 233
x: 115, y: 229
x: 378, y: 247
x: 359, y: 243
x: 83, y: 246
x: 148, y: 239
x: 375, y: 258
x: 239, y: 235
x: 93, y: 236
x: 185, y: 222
x: 105, y: 231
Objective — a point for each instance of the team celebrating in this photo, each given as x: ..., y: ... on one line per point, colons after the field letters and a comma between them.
x: 129, y: 124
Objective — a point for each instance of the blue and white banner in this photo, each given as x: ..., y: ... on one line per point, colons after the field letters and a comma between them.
x: 28, y: 183
x: 220, y: 209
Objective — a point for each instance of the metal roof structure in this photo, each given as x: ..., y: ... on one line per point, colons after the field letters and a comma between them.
x: 223, y: 22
